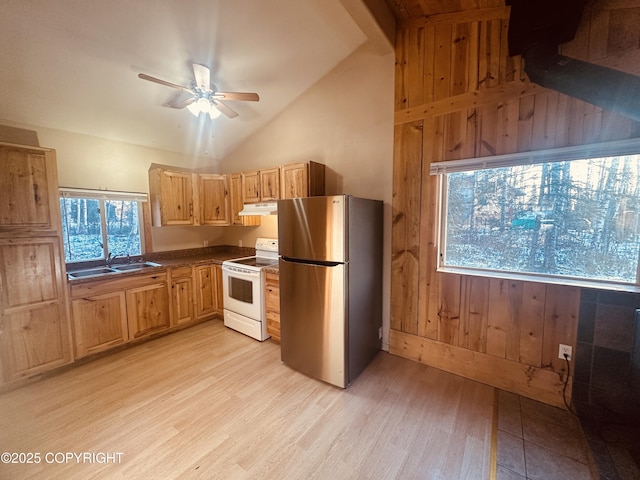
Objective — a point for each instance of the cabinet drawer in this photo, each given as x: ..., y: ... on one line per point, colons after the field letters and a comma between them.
x: 99, y: 287
x: 181, y: 272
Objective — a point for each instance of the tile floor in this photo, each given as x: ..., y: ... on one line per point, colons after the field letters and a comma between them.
x: 539, y: 442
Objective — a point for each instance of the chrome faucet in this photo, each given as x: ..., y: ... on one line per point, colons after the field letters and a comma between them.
x: 111, y: 258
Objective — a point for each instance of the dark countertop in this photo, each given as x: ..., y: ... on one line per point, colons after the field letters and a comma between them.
x: 275, y: 270
x: 217, y: 254
x: 174, y: 258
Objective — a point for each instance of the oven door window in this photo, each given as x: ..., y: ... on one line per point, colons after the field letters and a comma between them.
x: 241, y: 289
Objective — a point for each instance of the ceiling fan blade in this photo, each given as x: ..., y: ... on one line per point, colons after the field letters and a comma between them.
x: 181, y: 104
x: 164, y: 82
x: 229, y: 112
x: 242, y: 96
x: 203, y: 76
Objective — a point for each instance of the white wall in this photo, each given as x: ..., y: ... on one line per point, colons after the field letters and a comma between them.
x: 344, y: 121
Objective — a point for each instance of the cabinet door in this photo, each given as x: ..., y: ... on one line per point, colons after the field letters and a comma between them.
x: 147, y: 310
x: 219, y: 294
x: 206, y: 296
x: 182, y: 295
x: 34, y: 328
x: 28, y: 188
x: 269, y: 184
x: 237, y: 203
x: 272, y: 305
x: 294, y: 181
x: 99, y: 322
x: 251, y: 186
x: 171, y: 197
x: 213, y: 197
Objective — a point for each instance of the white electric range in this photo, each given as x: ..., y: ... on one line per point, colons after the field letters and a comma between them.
x: 243, y: 287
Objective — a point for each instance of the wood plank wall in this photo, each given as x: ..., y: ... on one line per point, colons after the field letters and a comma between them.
x: 459, y: 95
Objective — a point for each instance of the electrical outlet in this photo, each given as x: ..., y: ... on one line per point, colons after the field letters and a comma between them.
x: 565, y: 349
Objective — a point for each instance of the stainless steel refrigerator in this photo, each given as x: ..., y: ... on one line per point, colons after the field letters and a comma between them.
x: 330, y: 285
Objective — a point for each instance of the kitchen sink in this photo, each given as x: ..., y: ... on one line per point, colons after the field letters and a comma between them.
x: 91, y: 272
x: 125, y: 267
x: 135, y: 266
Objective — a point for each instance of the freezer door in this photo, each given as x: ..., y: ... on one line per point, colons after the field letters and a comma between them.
x: 313, y: 228
x: 312, y: 320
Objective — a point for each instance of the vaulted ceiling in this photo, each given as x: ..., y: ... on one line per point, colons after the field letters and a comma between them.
x: 72, y: 65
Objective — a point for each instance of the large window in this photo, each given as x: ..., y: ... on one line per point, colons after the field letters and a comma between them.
x: 98, y: 223
x: 566, y: 213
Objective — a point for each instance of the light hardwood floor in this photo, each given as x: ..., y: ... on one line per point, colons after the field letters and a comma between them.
x: 210, y: 403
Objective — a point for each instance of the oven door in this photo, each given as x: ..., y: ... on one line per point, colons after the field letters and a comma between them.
x: 242, y: 292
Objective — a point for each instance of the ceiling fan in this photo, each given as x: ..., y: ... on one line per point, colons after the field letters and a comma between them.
x: 205, y: 97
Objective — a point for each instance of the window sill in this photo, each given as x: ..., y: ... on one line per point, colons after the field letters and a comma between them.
x: 532, y: 277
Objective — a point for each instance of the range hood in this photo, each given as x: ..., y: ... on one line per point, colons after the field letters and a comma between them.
x: 536, y: 28
x: 269, y: 208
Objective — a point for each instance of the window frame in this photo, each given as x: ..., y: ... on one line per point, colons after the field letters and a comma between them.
x: 578, y: 152
x: 102, y: 196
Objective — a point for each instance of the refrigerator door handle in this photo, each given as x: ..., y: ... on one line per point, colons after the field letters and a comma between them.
x: 311, y: 262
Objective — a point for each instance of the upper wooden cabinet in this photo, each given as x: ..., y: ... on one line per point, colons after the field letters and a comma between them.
x: 184, y: 198
x: 270, y: 184
x: 302, y: 180
x: 237, y: 202
x: 213, y: 198
x: 261, y: 185
x: 28, y: 188
x: 251, y: 186
x: 171, y: 195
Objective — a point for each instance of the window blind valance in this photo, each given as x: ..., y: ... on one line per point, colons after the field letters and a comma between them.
x: 597, y: 150
x: 68, y: 192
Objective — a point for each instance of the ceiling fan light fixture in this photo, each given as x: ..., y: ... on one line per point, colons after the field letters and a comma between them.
x: 214, y: 112
x: 194, y: 109
x: 204, y: 105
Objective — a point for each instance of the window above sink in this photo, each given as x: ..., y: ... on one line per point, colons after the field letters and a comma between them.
x: 97, y: 222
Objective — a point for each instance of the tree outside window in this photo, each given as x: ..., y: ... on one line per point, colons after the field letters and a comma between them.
x: 93, y: 228
x: 577, y: 218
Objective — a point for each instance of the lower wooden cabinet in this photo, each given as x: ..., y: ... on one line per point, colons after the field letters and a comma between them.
x: 182, y: 295
x: 109, y: 312
x: 208, y: 290
x: 272, y: 303
x: 99, y: 322
x: 147, y: 310
x: 106, y: 313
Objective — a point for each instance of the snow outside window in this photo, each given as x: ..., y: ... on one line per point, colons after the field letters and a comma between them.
x: 96, y: 224
x: 577, y: 218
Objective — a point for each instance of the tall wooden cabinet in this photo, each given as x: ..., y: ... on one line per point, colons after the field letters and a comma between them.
x: 34, y: 326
